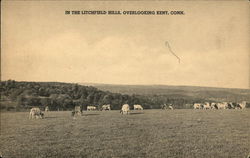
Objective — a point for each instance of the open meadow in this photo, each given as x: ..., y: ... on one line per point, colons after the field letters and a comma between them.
x: 149, y: 133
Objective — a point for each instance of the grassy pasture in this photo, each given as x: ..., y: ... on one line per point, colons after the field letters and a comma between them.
x: 151, y: 133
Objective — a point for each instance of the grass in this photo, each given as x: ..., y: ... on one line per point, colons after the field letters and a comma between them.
x: 151, y: 133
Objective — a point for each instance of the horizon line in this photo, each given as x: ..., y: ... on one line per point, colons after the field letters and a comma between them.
x: 124, y: 84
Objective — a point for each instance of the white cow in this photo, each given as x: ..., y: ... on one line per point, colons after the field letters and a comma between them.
x: 106, y: 107
x: 242, y: 105
x: 223, y: 105
x: 77, y: 111
x: 91, y: 108
x: 125, y: 109
x: 46, y: 109
x: 36, y: 113
x: 198, y: 106
x: 138, y: 107
x: 170, y: 107
x: 206, y: 106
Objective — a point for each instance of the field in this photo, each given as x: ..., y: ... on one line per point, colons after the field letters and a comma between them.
x: 151, y: 133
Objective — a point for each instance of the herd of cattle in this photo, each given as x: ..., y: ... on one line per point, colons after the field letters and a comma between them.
x: 77, y: 111
x: 221, y: 105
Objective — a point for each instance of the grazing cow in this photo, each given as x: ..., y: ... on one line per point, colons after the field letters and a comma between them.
x: 223, y: 105
x: 138, y: 107
x: 231, y: 105
x: 170, y: 107
x: 236, y: 105
x: 106, y: 107
x: 46, y: 109
x: 125, y: 109
x: 198, y: 106
x: 36, y: 113
x: 77, y: 111
x: 242, y: 105
x: 206, y: 106
x: 91, y: 108
x: 214, y: 106
x: 164, y: 107
x: 167, y: 106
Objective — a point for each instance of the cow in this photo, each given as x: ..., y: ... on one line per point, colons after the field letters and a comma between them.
x: 206, y: 106
x: 77, y: 111
x: 242, y: 105
x: 46, y: 109
x: 170, y: 107
x: 214, y: 106
x: 125, y: 109
x: 223, y: 105
x: 106, y: 107
x: 91, y: 108
x: 231, y: 105
x: 36, y: 113
x: 198, y: 106
x: 138, y: 107
x: 164, y: 107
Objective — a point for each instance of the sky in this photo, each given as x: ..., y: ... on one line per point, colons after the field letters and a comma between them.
x: 40, y: 43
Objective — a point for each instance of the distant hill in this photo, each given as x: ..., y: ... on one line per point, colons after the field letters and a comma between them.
x: 210, y: 93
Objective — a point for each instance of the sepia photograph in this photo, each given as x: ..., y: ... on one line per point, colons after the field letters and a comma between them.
x: 125, y: 79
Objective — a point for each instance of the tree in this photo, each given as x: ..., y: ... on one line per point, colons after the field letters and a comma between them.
x: 20, y: 101
x: 107, y: 99
x: 90, y: 98
x: 45, y: 101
